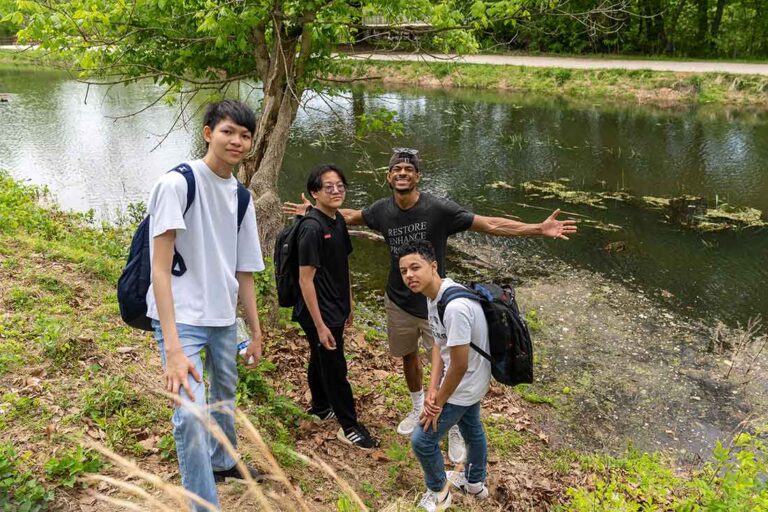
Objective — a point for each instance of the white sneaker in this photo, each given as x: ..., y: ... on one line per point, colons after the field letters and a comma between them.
x: 458, y: 479
x: 434, y: 501
x: 405, y: 428
x: 457, y: 451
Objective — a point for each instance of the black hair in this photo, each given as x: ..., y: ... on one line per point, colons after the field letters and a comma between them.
x: 237, y: 111
x: 421, y: 247
x: 315, y: 179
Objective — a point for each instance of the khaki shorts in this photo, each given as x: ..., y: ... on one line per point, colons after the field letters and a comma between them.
x: 404, y: 331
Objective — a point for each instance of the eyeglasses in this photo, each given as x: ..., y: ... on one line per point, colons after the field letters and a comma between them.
x: 330, y: 188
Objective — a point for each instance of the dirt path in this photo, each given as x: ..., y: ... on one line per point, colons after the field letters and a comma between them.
x: 579, y: 62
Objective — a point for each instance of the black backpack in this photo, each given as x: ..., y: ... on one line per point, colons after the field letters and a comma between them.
x: 133, y: 285
x: 286, y: 262
x: 511, y: 354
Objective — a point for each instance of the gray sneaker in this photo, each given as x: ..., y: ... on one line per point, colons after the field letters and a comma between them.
x: 457, y: 450
x: 405, y: 428
x: 458, y: 479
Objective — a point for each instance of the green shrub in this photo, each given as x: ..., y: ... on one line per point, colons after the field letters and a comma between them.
x: 19, y: 491
x: 66, y: 468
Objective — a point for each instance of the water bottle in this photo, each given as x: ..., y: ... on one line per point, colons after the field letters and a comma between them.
x: 243, y: 339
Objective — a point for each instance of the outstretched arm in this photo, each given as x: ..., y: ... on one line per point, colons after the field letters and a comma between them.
x: 549, y: 228
x: 351, y: 217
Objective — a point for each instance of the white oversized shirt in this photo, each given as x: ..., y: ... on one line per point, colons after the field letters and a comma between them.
x: 208, y: 240
x: 463, y: 322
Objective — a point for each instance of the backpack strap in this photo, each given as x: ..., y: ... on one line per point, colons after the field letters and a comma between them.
x: 243, y: 196
x: 186, y: 171
x: 459, y: 292
x: 178, y: 267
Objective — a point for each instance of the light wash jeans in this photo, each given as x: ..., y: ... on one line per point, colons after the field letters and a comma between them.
x: 426, y: 445
x: 198, y: 451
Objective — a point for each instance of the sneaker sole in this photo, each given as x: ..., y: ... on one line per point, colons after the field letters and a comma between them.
x: 341, y: 437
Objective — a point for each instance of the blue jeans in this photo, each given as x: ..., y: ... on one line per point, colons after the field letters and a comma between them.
x: 199, y: 453
x: 426, y: 445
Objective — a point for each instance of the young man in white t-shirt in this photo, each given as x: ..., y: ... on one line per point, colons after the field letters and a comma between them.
x: 460, y: 379
x: 196, y: 310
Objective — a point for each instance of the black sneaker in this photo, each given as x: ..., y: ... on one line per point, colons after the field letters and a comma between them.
x: 357, y: 436
x: 234, y: 472
x: 325, y: 415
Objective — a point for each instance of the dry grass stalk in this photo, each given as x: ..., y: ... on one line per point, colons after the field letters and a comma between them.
x: 746, y: 336
x: 321, y: 464
x: 252, y: 488
x: 154, y: 502
x: 120, y: 503
x: 175, y: 492
x: 277, y: 471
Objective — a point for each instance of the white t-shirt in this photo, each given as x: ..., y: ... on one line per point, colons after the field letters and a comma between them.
x: 208, y: 240
x: 463, y: 322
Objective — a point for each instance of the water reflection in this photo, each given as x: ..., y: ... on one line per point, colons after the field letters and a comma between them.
x: 468, y: 139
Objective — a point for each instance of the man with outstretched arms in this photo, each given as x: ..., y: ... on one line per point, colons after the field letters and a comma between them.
x: 407, y: 215
x: 460, y: 379
x: 325, y: 305
x: 195, y: 311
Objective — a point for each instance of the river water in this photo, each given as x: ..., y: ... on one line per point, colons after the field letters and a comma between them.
x: 57, y: 132
x: 477, y: 149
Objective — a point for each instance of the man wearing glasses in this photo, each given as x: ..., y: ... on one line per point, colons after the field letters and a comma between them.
x: 325, y: 305
x: 408, y: 215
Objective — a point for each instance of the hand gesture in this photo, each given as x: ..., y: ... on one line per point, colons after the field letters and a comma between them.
x: 553, y: 228
x: 252, y: 354
x: 428, y: 419
x: 177, y: 369
x: 350, y: 319
x: 297, y: 208
x: 326, y: 338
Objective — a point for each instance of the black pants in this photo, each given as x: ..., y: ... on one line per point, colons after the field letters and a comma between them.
x: 327, y: 376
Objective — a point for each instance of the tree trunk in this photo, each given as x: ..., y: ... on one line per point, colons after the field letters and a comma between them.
x: 703, y: 23
x: 282, y: 70
x: 717, y: 19
x: 671, y: 28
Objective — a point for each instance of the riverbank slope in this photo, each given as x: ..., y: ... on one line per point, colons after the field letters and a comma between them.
x: 639, y: 84
x: 73, y: 374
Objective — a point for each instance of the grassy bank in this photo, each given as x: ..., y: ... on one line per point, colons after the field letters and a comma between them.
x: 643, y: 86
x: 71, y: 374
x: 662, y: 88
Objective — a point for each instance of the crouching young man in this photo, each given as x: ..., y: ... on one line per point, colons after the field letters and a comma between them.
x: 193, y: 305
x: 460, y: 379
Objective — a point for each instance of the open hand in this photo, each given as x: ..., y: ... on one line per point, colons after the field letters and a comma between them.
x: 427, y: 419
x: 177, y: 369
x: 297, y: 208
x: 553, y: 228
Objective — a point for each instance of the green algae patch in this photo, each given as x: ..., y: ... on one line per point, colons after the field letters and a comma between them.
x: 560, y: 191
x: 692, y: 212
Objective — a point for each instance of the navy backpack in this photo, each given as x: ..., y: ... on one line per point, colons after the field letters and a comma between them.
x: 134, y: 282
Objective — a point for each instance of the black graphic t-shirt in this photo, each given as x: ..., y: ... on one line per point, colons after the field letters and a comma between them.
x: 326, y: 246
x: 431, y: 218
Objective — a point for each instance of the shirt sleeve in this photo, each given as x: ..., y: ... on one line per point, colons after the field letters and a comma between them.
x: 457, y: 217
x: 310, y: 240
x: 458, y: 323
x: 372, y: 216
x: 249, y: 257
x: 166, y: 204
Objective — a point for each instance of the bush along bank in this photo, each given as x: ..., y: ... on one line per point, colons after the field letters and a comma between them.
x: 644, y: 86
x: 72, y: 374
